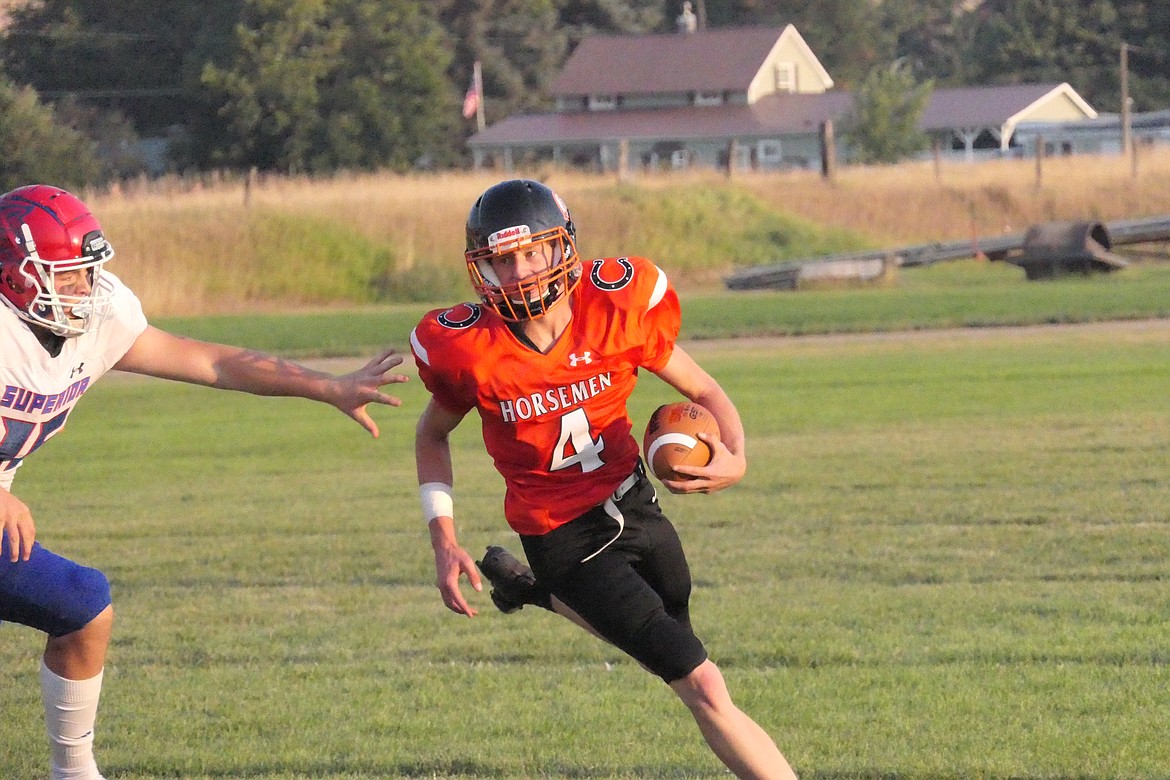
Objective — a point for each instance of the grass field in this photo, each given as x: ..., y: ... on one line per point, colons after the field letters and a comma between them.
x: 949, y: 559
x: 953, y: 295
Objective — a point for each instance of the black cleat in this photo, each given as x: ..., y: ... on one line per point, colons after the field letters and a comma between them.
x: 513, y: 583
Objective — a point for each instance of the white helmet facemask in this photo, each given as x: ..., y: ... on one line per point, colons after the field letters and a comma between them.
x: 66, y: 315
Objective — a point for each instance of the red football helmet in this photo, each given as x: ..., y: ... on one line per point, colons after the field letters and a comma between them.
x: 45, y: 231
x: 515, y: 214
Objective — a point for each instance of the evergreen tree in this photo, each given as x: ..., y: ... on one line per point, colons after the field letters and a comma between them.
x: 38, y: 148
x: 320, y: 84
x: 847, y: 36
x: 1020, y: 41
x: 581, y: 18
x: 141, y: 58
x: 886, y: 112
x: 928, y: 34
x: 519, y: 44
x: 317, y: 85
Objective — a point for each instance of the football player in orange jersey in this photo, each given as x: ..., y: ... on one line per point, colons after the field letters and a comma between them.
x: 64, y: 322
x: 548, y: 358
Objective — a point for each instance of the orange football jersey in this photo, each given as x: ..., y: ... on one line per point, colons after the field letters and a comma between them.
x: 556, y: 424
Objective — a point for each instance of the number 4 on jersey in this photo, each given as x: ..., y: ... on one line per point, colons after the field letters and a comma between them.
x: 575, y: 447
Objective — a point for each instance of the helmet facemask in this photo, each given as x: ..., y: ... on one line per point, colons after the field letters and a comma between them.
x: 45, y: 234
x: 534, y: 296
x: 64, y: 315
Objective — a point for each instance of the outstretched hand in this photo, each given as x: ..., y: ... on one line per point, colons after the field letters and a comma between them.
x: 359, y: 388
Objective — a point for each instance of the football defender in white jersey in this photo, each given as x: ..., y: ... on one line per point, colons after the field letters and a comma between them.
x: 64, y: 322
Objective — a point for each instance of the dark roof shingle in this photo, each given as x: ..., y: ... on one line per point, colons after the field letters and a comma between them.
x: 768, y: 117
x: 702, y: 61
x: 978, y: 106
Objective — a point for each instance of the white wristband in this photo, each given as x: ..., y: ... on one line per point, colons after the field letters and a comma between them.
x: 436, y: 500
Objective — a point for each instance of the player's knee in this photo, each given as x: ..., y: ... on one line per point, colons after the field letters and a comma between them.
x: 707, y: 678
x: 703, y: 689
x: 93, y: 588
x: 102, y: 621
x: 89, y: 598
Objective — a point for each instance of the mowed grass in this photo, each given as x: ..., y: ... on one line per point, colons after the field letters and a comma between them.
x: 968, y: 294
x: 949, y: 559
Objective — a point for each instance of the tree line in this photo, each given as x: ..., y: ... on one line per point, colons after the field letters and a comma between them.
x: 316, y: 86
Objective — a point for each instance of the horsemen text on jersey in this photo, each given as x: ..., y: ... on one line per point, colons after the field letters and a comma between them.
x: 556, y: 423
x: 554, y: 400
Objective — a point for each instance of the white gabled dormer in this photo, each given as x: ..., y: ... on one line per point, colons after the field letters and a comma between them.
x: 790, y: 67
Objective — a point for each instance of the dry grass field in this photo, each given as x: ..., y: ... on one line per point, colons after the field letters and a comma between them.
x: 193, y: 248
x: 916, y: 202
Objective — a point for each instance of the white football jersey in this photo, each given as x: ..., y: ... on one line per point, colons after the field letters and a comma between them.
x: 37, y: 390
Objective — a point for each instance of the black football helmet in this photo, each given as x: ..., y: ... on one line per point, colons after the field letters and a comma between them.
x: 515, y: 214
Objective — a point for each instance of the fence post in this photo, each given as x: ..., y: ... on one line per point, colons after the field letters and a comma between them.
x: 249, y: 183
x: 828, y: 150
x: 1039, y: 160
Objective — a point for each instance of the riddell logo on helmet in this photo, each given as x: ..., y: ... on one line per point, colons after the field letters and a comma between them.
x: 509, y: 238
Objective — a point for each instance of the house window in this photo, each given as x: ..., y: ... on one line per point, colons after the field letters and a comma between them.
x: 708, y: 98
x: 785, y: 77
x: 768, y: 153
x: 602, y: 102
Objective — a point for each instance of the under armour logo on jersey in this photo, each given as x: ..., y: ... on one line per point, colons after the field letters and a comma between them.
x: 76, y: 370
x: 574, y: 359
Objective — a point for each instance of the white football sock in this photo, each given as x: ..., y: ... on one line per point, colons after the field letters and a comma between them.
x: 70, y: 713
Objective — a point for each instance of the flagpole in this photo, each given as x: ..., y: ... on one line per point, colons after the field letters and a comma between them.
x: 477, y: 79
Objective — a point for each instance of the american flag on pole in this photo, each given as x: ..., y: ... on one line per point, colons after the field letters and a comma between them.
x: 471, y: 99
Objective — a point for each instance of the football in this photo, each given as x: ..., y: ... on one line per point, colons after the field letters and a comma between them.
x: 672, y: 438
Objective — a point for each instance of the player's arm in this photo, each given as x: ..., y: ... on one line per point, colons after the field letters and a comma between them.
x: 729, y: 462
x: 432, y: 451
x: 16, y: 523
x: 158, y: 353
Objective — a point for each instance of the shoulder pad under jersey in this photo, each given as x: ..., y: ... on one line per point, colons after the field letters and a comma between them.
x: 635, y: 280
